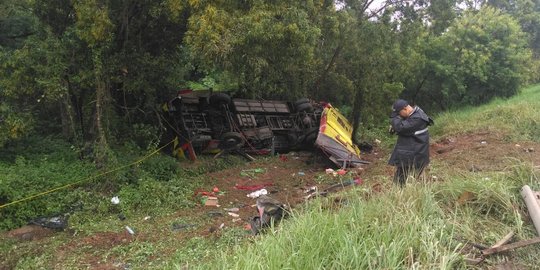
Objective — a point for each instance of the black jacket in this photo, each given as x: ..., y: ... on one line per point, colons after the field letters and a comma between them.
x: 412, y: 146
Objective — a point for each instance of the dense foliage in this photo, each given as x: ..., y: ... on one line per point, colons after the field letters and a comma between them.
x: 92, y: 71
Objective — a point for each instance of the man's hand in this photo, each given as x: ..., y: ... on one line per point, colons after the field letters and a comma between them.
x: 391, y: 130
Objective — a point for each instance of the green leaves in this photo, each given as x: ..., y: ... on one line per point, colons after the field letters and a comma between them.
x: 490, y: 55
x: 93, y: 22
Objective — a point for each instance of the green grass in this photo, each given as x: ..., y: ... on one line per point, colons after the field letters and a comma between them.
x: 518, y: 118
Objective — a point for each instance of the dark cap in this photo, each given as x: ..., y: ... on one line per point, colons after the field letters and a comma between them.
x: 399, y: 105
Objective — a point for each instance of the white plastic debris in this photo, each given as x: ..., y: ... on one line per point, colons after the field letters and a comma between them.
x: 233, y: 214
x: 115, y: 200
x: 147, y: 218
x: 129, y: 230
x: 256, y: 194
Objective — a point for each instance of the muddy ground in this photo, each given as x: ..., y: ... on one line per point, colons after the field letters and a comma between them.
x: 287, y: 179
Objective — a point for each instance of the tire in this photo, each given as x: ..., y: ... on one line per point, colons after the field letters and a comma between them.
x: 231, y: 140
x: 311, y: 138
x: 301, y: 101
x: 218, y: 99
x: 292, y: 138
x: 304, y: 107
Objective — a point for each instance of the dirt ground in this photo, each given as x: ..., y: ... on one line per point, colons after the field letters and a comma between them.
x: 287, y: 179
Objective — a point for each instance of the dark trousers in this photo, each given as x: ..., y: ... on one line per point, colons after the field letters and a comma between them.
x: 402, y: 172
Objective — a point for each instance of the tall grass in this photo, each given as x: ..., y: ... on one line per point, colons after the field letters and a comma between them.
x: 517, y: 117
x: 424, y: 226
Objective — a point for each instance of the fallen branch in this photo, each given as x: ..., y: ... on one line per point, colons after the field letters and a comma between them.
x: 504, y: 240
x: 502, y: 248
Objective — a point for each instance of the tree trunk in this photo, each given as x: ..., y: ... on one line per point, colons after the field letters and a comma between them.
x: 69, y: 130
x: 357, y: 112
x: 327, y: 69
x: 101, y: 147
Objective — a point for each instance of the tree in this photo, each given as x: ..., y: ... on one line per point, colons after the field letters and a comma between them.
x: 482, y: 55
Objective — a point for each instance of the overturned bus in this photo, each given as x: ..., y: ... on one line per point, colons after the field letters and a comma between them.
x: 205, y: 122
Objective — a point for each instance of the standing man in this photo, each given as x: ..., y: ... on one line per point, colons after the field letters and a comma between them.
x: 411, y: 153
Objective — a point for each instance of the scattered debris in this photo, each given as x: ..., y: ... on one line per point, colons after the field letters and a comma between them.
x: 465, y: 197
x: 301, y: 173
x: 257, y: 193
x: 234, y: 209
x: 270, y: 211
x: 129, y: 230
x: 311, y: 189
x: 121, y: 216
x: 335, y: 187
x: 233, y: 214
x: 115, y: 200
x: 178, y: 227
x: 210, y: 201
x: 214, y: 214
x: 59, y: 222
x: 146, y: 218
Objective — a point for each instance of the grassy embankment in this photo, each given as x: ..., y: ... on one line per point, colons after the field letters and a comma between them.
x: 424, y: 226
